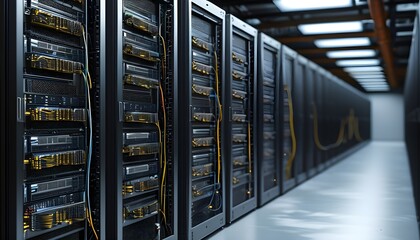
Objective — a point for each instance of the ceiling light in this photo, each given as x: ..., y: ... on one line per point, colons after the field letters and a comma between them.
x: 342, y: 42
x: 366, y: 73
x: 371, y: 80
x: 357, y: 62
x: 375, y: 86
x: 377, y: 89
x: 363, y: 69
x: 368, y: 76
x: 254, y: 21
x: 406, y: 7
x: 372, y: 84
x: 302, y: 5
x: 351, y: 53
x: 404, y: 34
x: 334, y: 27
x: 361, y: 2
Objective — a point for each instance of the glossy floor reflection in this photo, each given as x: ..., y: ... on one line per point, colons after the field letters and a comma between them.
x: 366, y: 196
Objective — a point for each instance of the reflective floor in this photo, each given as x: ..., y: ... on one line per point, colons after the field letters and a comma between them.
x: 366, y: 196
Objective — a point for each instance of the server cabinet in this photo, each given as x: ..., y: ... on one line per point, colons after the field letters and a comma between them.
x: 289, y: 58
x: 309, y: 101
x: 270, y: 119
x: 412, y: 111
x: 48, y: 120
x: 299, y: 98
x: 139, y: 119
x: 202, y: 186
x: 240, y: 118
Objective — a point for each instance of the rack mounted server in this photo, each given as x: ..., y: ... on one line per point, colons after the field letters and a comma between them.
x: 202, y: 49
x: 163, y: 120
x: 140, y: 122
x: 269, y: 119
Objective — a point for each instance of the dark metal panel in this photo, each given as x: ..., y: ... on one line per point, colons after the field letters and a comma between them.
x: 184, y: 47
x: 103, y: 120
x: 14, y: 121
x: 3, y: 111
x: 269, y: 190
x: 113, y: 92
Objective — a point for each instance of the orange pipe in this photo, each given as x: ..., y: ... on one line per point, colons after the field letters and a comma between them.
x: 377, y: 12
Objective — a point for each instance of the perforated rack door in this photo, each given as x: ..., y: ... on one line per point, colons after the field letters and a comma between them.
x: 289, y: 58
x: 309, y: 93
x: 270, y: 121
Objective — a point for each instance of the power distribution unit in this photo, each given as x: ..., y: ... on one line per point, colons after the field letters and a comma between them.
x: 270, y: 131
x: 240, y: 119
x: 201, y: 102
x: 136, y: 79
x: 288, y: 166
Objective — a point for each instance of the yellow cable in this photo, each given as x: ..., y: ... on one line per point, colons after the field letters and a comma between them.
x: 340, y: 137
x: 89, y: 80
x: 292, y: 133
x: 356, y: 130
x: 164, y: 217
x: 351, y: 124
x: 163, y: 185
x: 219, y: 160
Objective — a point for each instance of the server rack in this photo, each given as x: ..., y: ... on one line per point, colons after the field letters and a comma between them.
x: 289, y: 58
x: 48, y: 125
x: 202, y: 49
x: 139, y: 119
x: 270, y: 119
x: 240, y: 118
x: 309, y: 93
x: 299, y: 98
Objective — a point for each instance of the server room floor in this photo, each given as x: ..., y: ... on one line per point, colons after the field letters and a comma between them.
x: 358, y: 198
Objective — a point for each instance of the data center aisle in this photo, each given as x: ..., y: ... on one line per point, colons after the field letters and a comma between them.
x: 366, y: 196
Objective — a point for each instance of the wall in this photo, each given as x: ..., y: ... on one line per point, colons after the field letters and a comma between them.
x: 387, y: 117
